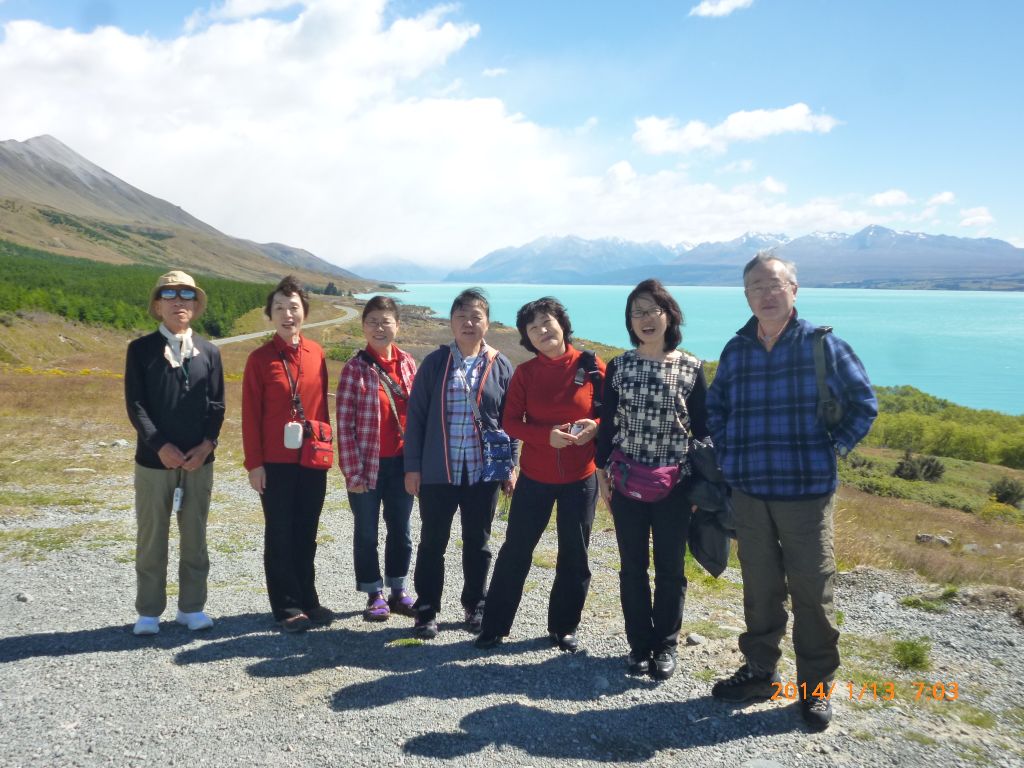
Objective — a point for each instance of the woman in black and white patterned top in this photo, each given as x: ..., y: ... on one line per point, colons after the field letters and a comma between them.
x: 653, y: 406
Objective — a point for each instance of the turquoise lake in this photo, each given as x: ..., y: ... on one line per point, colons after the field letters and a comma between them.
x: 965, y: 346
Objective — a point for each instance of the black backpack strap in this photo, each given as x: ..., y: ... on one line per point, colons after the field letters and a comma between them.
x: 389, y: 383
x: 827, y: 404
x: 588, y: 364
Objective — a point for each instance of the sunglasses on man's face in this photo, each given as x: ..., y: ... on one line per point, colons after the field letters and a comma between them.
x: 185, y: 294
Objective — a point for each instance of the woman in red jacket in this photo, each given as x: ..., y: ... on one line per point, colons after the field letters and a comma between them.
x: 292, y: 495
x: 551, y: 407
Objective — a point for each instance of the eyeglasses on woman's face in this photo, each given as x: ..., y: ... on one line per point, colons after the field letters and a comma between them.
x: 381, y: 324
x: 640, y: 314
x: 185, y: 294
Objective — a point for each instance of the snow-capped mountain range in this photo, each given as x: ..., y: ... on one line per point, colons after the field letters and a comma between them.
x: 873, y: 257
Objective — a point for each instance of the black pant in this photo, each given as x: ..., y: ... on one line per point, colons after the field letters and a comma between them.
x: 292, y: 501
x: 527, y: 519
x: 476, y: 504
x: 652, y: 626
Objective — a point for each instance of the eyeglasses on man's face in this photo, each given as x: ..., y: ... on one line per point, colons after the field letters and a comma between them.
x: 640, y: 314
x: 185, y: 294
x: 765, y: 289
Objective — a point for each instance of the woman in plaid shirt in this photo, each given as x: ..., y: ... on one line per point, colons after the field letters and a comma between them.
x: 373, y: 393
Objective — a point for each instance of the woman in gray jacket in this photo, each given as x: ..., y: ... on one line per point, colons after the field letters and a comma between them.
x: 444, y: 463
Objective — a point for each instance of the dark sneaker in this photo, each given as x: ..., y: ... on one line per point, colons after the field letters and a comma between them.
x: 663, y: 665
x: 817, y: 712
x: 568, y: 643
x: 425, y: 629
x: 745, y: 685
x: 321, y: 616
x: 376, y: 608
x: 298, y: 622
x: 638, y: 664
x: 475, y: 618
x: 486, y: 642
x: 401, y: 602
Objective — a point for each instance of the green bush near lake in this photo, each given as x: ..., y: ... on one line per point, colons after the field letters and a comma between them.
x: 965, y: 485
x: 911, y: 420
x: 110, y: 295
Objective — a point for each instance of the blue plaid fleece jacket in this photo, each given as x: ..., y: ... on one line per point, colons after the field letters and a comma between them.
x: 762, y: 412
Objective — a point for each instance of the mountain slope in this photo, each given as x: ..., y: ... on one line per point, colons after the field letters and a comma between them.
x: 55, y: 199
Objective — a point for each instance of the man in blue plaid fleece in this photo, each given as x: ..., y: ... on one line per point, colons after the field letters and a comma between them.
x: 780, y: 460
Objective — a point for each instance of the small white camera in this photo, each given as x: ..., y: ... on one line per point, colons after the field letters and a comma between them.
x: 575, y: 429
x: 293, y: 434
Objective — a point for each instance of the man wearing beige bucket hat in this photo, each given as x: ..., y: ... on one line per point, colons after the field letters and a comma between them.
x: 174, y: 391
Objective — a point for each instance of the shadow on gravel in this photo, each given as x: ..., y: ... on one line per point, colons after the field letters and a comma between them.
x: 562, y: 677
x: 634, y: 734
x: 120, y: 638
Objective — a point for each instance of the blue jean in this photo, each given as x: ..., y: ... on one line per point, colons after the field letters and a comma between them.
x: 366, y: 507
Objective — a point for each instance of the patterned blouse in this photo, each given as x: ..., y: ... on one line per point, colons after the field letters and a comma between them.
x: 651, y: 408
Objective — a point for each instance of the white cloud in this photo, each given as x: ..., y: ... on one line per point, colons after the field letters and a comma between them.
x: 890, y: 198
x: 325, y: 131
x: 976, y: 217
x: 231, y: 10
x: 588, y: 125
x: 719, y: 7
x: 658, y: 136
x: 942, y: 198
x: 737, y: 166
x: 494, y: 72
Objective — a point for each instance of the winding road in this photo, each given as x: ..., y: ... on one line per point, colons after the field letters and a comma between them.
x: 349, y: 314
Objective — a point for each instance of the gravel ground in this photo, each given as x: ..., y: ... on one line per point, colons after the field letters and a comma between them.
x: 79, y: 689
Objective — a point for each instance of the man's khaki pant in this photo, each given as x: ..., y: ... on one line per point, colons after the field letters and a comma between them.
x: 154, y: 494
x: 788, y: 544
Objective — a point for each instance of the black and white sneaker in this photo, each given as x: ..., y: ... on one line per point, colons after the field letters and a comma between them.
x: 745, y: 685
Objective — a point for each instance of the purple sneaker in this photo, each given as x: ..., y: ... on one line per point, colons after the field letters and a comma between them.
x: 401, y: 603
x: 376, y: 608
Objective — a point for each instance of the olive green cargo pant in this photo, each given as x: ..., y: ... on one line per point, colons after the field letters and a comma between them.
x: 154, y: 494
x: 788, y: 546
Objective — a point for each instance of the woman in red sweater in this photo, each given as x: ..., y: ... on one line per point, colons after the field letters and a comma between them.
x: 292, y: 495
x: 551, y: 406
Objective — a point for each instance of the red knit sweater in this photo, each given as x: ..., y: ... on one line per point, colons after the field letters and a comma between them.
x: 266, y: 398
x: 542, y: 395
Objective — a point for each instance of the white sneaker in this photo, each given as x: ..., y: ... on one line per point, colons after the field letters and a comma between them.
x: 147, y: 625
x: 194, y: 621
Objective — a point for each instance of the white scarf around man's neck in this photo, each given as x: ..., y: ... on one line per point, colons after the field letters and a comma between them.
x: 179, y: 346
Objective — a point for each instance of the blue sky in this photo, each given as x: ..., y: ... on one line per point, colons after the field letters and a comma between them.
x: 439, y: 132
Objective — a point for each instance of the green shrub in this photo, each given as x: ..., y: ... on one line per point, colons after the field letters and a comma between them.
x: 342, y: 352
x: 1007, y: 490
x: 859, y: 461
x: 912, y: 654
x: 912, y: 467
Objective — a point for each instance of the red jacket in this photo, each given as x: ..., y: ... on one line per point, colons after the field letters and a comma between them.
x: 267, y: 398
x: 541, y: 395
